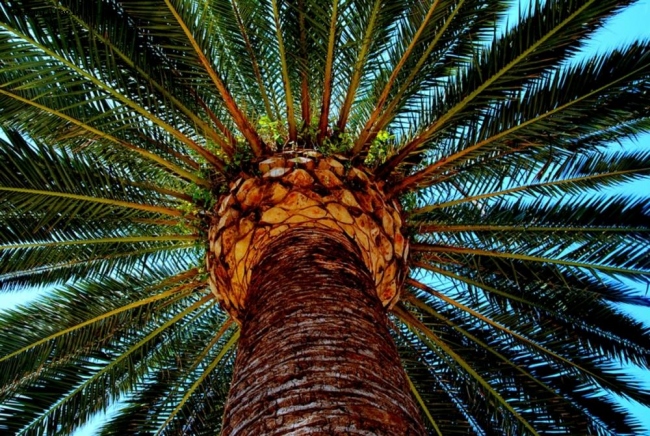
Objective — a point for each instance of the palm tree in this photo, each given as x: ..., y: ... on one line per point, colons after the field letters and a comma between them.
x: 381, y: 216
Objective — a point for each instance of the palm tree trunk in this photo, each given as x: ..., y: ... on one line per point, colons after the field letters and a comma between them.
x: 315, y: 354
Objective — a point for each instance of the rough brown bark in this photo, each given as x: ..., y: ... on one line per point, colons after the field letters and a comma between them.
x: 315, y: 355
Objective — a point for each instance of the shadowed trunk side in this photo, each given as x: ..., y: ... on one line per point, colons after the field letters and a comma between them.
x: 315, y: 354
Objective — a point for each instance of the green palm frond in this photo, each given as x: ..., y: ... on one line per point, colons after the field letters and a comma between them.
x: 544, y: 38
x: 122, y: 122
x: 582, y: 111
x: 161, y: 402
x: 116, y: 349
x: 107, y: 103
x: 537, y: 394
x: 63, y: 217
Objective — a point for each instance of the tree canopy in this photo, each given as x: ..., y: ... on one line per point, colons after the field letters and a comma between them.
x: 125, y: 120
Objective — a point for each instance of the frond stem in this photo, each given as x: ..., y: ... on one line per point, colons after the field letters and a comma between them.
x: 136, y: 304
x: 291, y: 120
x: 124, y: 240
x: 121, y: 357
x: 253, y: 58
x: 443, y: 228
x: 446, y: 204
x: 358, y: 68
x: 413, y: 299
x: 164, y: 91
x: 327, y: 78
x: 423, y: 406
x: 227, y: 346
x: 257, y: 145
x: 212, y: 159
x: 425, y: 248
x: 364, y: 137
x: 505, y: 330
x: 117, y: 203
x: 413, y: 180
x: 388, y: 113
x: 305, y: 102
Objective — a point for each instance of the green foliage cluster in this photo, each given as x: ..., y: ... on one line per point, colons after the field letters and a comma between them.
x: 338, y: 143
x: 380, y: 148
x: 271, y: 131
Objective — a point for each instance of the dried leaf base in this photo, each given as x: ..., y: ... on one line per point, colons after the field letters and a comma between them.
x: 303, y: 190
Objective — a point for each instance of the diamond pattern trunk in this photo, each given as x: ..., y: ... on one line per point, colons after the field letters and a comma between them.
x: 306, y: 258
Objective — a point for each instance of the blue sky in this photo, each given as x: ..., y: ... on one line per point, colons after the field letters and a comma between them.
x: 629, y: 25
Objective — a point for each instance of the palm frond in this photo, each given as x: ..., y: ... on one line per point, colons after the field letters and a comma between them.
x: 45, y: 70
x: 105, y: 345
x: 553, y: 31
x: 510, y: 155
x: 561, y: 405
x: 586, y: 101
x: 178, y: 10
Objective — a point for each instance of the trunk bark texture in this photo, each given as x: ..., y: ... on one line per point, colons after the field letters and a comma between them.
x: 307, y: 256
x: 315, y: 355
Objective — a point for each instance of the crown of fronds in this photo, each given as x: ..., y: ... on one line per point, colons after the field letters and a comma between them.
x: 124, y: 120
